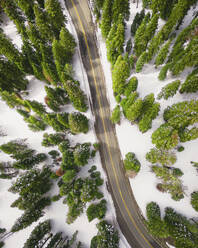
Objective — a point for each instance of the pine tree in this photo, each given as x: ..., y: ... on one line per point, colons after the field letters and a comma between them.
x: 68, y: 42
x: 194, y: 200
x: 120, y: 7
x: 38, y: 234
x: 106, y: 18
x: 131, y: 163
x: 115, y: 116
x: 164, y: 7
x: 82, y: 154
x: 97, y: 210
x: 115, y: 40
x: 155, y: 224
x: 131, y: 86
x: 163, y: 157
x: 191, y: 83
x: 120, y: 73
x: 137, y: 21
x: 165, y: 137
x: 56, y: 17
x: 135, y: 110
x: 78, y: 123
x: 139, y: 40
x: 169, y: 90
x: 8, y: 50
x: 141, y: 61
x: 43, y: 23
x: 161, y: 57
x: 14, y: 13
x: 76, y: 95
x: 27, y: 7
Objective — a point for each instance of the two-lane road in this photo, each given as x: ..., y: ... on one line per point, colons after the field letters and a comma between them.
x: 128, y: 215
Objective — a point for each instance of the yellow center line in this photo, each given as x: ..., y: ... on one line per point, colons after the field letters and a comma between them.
x: 101, y: 109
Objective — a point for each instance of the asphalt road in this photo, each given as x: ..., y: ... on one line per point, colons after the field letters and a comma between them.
x: 128, y: 214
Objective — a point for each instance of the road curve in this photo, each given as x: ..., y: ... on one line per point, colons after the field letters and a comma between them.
x: 128, y: 214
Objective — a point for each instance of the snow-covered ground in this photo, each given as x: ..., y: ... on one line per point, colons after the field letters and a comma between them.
x: 13, y: 125
x: 132, y: 140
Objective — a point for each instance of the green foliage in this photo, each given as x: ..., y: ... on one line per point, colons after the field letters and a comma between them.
x: 139, y: 39
x: 97, y: 210
x: 163, y: 72
x: 106, y: 18
x: 55, y: 15
x: 63, y: 119
x: 177, y: 172
x: 107, y: 236
x: 163, y: 157
x: 131, y: 162
x: 188, y: 134
x: 129, y: 46
x: 169, y: 90
x: 141, y: 61
x: 53, y: 139
x: 120, y: 73
x: 171, y: 182
x: 194, y: 200
x: 76, y: 95
x: 137, y: 21
x: 38, y: 233
x: 163, y: 52
x: 180, y: 148
x: 191, y: 83
x: 131, y: 86
x: 155, y: 224
x: 82, y: 154
x: 56, y: 98
x: 78, y: 123
x: 181, y: 230
x: 115, y: 116
x: 43, y: 23
x: 165, y: 137
x: 7, y: 170
x: 164, y: 7
x: 30, y: 215
x: 135, y: 110
x: 115, y: 40
x: 37, y: 107
x: 120, y: 7
x: 51, y: 120
x: 69, y: 176
x: 12, y: 79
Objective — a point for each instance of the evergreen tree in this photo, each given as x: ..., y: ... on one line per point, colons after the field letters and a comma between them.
x: 53, y: 139
x: 27, y: 7
x: 188, y: 134
x: 107, y: 236
x: 131, y: 162
x: 165, y: 137
x: 140, y: 41
x: 120, y: 7
x: 194, y: 200
x: 169, y: 90
x: 82, y: 154
x: 39, y: 232
x: 191, y: 83
x: 161, y: 57
x: 8, y: 50
x: 163, y: 72
x: 43, y: 23
x: 115, y: 116
x: 56, y: 17
x: 141, y: 61
x: 106, y: 18
x: 7, y: 170
x: 51, y: 120
x: 120, y: 73
x: 69, y: 176
x: 97, y: 210
x: 182, y: 231
x: 67, y: 41
x: 164, y: 7
x: 14, y: 13
x: 76, y: 95
x: 115, y: 40
x: 78, y: 123
x: 131, y: 86
x: 163, y: 157
x: 135, y: 110
x: 137, y: 21
x: 155, y: 224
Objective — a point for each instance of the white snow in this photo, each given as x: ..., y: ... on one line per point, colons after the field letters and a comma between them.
x: 132, y: 140
x: 14, y: 126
